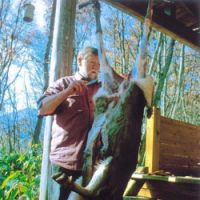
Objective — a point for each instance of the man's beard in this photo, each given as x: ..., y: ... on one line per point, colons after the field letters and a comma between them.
x: 88, y: 76
x: 92, y: 76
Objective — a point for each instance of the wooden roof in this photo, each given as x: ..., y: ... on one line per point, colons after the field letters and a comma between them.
x: 179, y: 19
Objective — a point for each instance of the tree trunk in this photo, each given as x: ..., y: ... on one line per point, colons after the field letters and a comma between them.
x: 39, y: 121
x: 180, y: 82
x: 163, y: 73
x: 61, y: 61
x: 160, y: 38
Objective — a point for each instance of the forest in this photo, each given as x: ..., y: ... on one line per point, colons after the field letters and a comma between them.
x: 25, y: 54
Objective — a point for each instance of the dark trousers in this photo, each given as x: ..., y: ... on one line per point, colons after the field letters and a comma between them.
x: 65, y: 191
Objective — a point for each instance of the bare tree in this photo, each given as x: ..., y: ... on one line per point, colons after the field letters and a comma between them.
x: 18, y: 52
x: 11, y: 44
x: 46, y: 62
x: 179, y: 91
x: 163, y: 72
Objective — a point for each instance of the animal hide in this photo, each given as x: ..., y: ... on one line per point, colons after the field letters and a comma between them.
x: 119, y: 125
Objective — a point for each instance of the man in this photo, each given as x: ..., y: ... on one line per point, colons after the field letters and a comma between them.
x: 69, y: 99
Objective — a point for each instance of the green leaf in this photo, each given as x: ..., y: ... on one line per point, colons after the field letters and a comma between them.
x: 2, y: 195
x: 11, y: 177
x: 23, y: 188
x: 13, y: 193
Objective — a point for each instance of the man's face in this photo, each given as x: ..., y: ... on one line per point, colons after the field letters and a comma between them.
x: 89, y: 66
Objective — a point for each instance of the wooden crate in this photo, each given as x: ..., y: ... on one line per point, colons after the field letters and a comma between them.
x: 171, y: 146
x: 179, y: 147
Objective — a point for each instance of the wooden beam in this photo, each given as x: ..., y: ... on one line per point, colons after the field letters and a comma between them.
x: 171, y: 179
x: 163, y: 23
x: 134, y: 186
x: 169, y: 187
x: 152, y: 141
x: 61, y: 61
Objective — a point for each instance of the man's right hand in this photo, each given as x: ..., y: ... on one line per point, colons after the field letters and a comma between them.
x: 50, y: 103
x: 76, y: 87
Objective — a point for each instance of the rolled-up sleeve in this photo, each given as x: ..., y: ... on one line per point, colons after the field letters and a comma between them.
x: 55, y: 88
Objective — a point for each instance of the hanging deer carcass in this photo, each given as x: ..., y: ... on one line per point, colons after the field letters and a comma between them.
x: 118, y: 119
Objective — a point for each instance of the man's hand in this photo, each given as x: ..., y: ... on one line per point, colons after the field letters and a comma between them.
x: 76, y: 87
x: 50, y: 103
x: 62, y: 179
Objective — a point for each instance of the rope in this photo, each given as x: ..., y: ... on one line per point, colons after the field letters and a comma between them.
x: 139, y: 68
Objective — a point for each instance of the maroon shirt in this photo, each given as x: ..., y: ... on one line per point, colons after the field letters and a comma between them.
x: 72, y: 121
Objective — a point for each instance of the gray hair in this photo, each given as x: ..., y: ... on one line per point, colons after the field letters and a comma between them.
x: 88, y: 50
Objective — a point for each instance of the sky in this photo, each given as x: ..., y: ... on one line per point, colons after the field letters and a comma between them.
x: 39, y: 13
x: 22, y: 84
x: 24, y: 81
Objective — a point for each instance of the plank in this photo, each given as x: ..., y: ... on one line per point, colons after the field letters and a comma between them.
x: 136, y: 197
x: 188, y: 152
x: 173, y: 179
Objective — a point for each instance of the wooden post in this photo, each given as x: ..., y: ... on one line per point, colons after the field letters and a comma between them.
x: 61, y: 61
x: 134, y: 186
x: 152, y: 141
